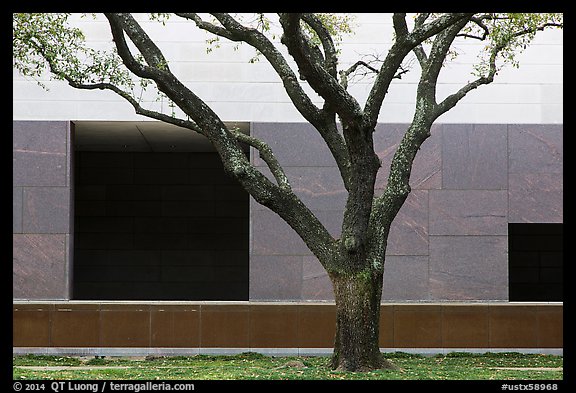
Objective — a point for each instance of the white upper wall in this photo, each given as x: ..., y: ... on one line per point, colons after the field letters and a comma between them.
x: 240, y: 91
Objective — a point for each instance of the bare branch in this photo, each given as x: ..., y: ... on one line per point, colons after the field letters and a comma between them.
x: 319, y: 79
x: 235, y: 31
x: 152, y: 54
x: 402, y: 72
x: 330, y: 57
x: 538, y: 28
x: 209, y: 27
x: 191, y: 125
x: 480, y: 23
x: 268, y: 156
x: 427, y: 30
x: 141, y: 70
x: 401, y: 47
x: 420, y: 19
x: 344, y: 74
x: 360, y: 63
x: 419, y: 49
x: 322, y: 120
x: 451, y: 101
x: 400, y: 26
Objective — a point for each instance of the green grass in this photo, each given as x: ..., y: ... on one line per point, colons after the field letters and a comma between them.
x: 248, y: 366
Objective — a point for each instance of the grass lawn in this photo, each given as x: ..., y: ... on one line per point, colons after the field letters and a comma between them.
x: 249, y: 366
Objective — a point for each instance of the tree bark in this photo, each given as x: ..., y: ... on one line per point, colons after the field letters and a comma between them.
x: 356, y: 344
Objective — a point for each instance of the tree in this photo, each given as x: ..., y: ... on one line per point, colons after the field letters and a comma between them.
x: 355, y: 261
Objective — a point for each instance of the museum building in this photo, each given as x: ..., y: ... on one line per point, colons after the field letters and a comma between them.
x: 129, y: 237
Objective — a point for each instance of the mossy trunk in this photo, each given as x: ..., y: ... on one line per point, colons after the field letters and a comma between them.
x: 356, y: 345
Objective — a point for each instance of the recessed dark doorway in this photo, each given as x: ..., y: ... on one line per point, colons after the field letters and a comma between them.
x: 535, y: 262
x: 156, y: 221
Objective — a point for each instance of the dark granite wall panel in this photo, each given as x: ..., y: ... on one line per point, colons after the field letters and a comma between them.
x: 409, y: 231
x: 468, y: 267
x: 316, y: 284
x: 468, y: 212
x: 406, y: 278
x: 273, y: 236
x: 474, y: 156
x: 42, y: 209
x: 40, y: 268
x: 17, y: 209
x: 535, y: 148
x: 31, y: 168
x: 320, y: 188
x: 46, y: 210
x: 40, y: 136
x: 276, y: 277
x: 536, y: 173
x: 536, y: 197
x: 285, y: 139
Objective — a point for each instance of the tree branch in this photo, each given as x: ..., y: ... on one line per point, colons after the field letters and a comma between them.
x: 480, y: 23
x: 318, y: 78
x: 419, y: 49
x: 427, y: 30
x: 268, y: 156
x: 323, y: 120
x: 400, y: 26
x: 209, y: 27
x: 420, y: 19
x: 451, y: 101
x: 137, y: 107
x: 431, y: 68
x: 344, y: 74
x: 235, y: 31
x: 280, y: 199
x: 538, y: 28
x: 386, y: 206
x: 141, y: 70
x: 330, y: 57
x: 151, y: 53
x: 401, y: 47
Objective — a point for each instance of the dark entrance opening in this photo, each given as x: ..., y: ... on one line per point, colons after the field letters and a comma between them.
x: 156, y: 217
x: 535, y: 262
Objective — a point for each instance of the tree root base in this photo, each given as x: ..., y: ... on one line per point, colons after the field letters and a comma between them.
x: 381, y: 364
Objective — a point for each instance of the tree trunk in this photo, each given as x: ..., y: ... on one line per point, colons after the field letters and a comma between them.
x: 356, y: 346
